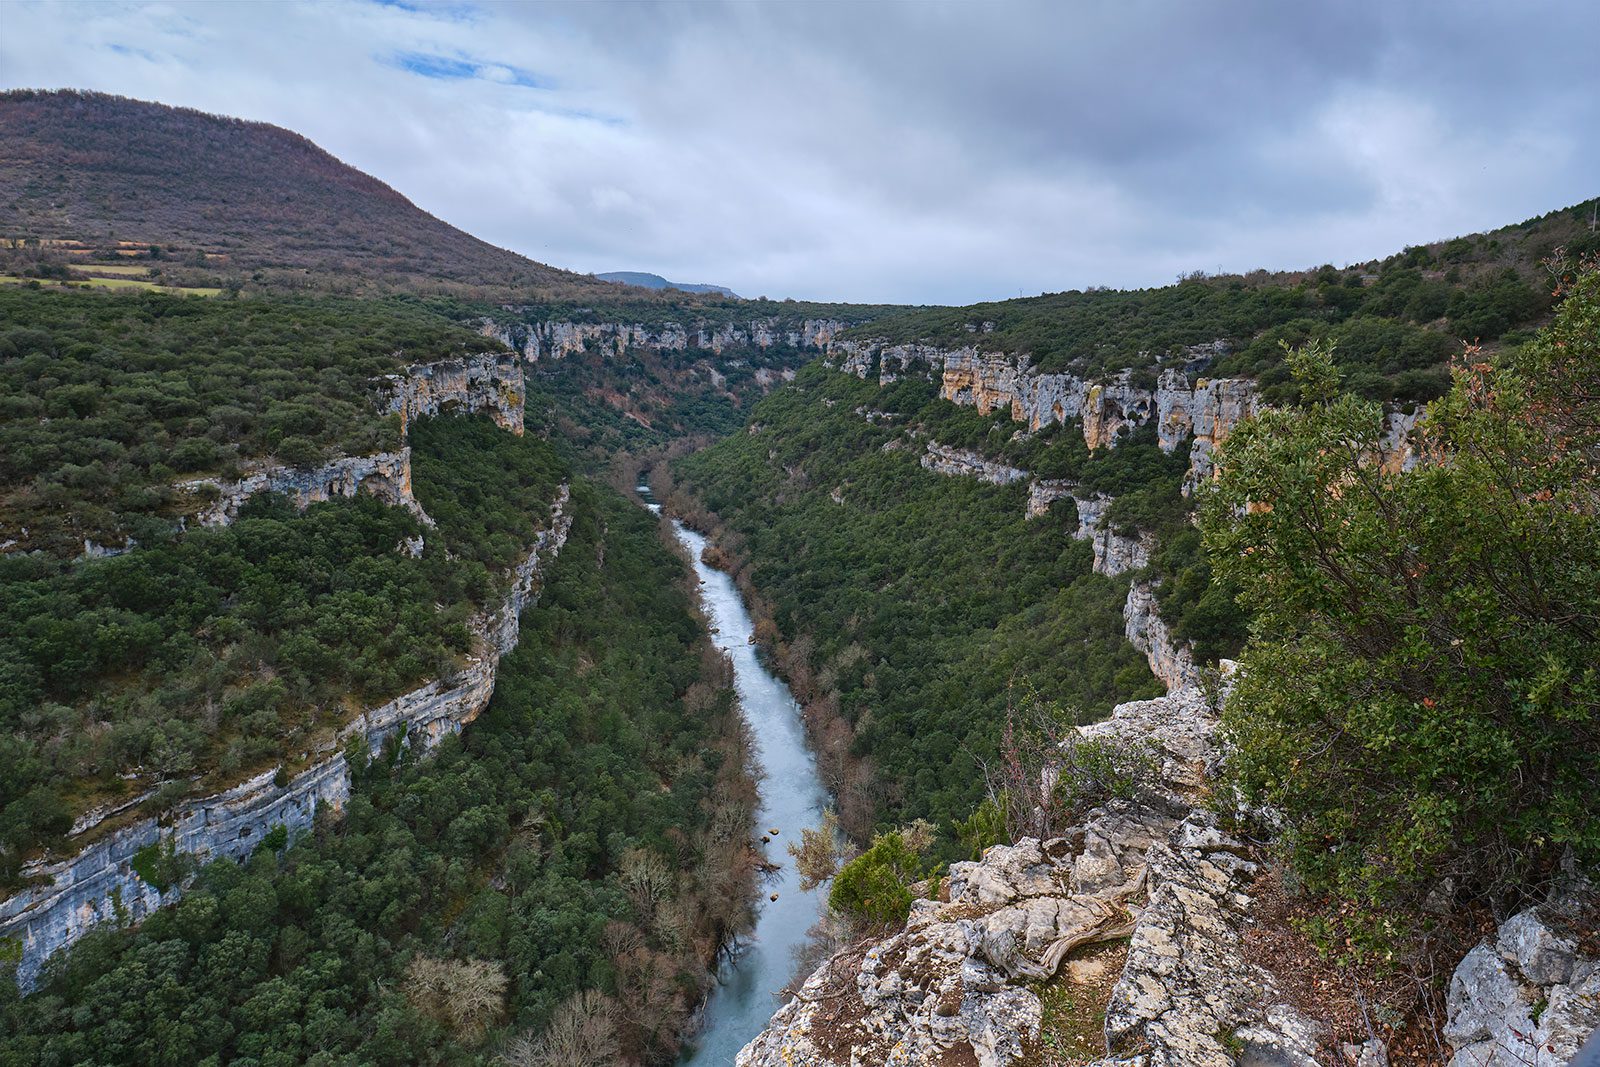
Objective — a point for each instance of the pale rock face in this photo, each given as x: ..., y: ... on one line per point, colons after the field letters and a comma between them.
x: 955, y: 984
x: 959, y: 462
x: 98, y: 884
x: 490, y: 383
x: 1186, y: 982
x: 1495, y: 1019
x: 1170, y: 661
x: 1202, y: 410
x: 559, y: 340
x: 1114, y: 553
x: 385, y: 475
x: 1042, y: 492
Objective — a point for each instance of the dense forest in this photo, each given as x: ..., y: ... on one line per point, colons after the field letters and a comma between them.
x: 562, y: 873
x: 190, y: 660
x: 910, y: 607
x: 1393, y: 323
x: 107, y: 400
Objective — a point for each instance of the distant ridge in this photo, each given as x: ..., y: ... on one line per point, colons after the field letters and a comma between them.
x: 99, y: 169
x: 656, y: 281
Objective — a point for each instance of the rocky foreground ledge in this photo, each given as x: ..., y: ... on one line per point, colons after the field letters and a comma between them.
x: 961, y: 983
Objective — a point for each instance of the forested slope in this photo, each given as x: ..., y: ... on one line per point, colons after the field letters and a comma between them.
x: 1394, y: 322
x: 912, y: 608
x: 588, y: 832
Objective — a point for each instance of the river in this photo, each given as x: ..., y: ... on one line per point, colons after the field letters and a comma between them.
x: 792, y: 798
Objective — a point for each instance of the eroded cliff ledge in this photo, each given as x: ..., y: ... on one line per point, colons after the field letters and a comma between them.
x: 99, y: 884
x: 69, y: 897
x: 1115, y: 552
x: 1184, y: 406
x: 489, y: 383
x: 537, y: 341
x: 961, y: 982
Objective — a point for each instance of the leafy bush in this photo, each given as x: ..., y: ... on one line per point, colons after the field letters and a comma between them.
x: 875, y: 887
x: 1428, y: 636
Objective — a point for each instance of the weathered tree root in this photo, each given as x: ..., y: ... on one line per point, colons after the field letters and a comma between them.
x: 1109, y: 924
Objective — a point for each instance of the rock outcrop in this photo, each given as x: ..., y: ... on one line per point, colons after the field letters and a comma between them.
x: 1170, y: 660
x: 961, y: 462
x: 488, y: 383
x: 1532, y: 996
x: 559, y: 339
x: 1184, y: 406
x: 99, y: 884
x: 386, y: 475
x: 1115, y: 553
x: 960, y: 982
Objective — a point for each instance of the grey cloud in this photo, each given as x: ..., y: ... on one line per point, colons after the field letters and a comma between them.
x: 936, y: 152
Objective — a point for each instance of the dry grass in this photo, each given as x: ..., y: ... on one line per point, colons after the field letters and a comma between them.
x: 115, y: 283
x: 1401, y: 1002
x: 1073, y: 1031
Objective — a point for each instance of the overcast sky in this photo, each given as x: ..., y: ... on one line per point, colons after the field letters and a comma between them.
x: 910, y: 152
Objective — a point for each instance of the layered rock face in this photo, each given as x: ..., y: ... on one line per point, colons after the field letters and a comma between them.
x: 961, y: 462
x: 490, y: 383
x: 1532, y: 996
x: 99, y: 884
x: 386, y: 475
x: 1199, y: 410
x: 558, y: 340
x: 958, y: 983
x: 1170, y: 660
x: 1114, y: 553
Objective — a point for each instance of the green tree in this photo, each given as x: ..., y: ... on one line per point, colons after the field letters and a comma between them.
x: 1419, y: 697
x: 875, y: 887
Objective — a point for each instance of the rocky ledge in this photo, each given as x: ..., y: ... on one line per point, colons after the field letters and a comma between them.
x: 961, y: 983
x: 1532, y: 996
x: 559, y: 339
x: 99, y: 884
x: 385, y: 475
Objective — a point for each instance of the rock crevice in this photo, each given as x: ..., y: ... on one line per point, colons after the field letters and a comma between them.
x: 960, y: 982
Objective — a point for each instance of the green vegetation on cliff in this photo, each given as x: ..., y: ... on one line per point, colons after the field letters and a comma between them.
x: 907, y: 602
x: 588, y: 832
x: 194, y: 659
x: 1420, y: 698
x: 107, y: 400
x: 1395, y: 322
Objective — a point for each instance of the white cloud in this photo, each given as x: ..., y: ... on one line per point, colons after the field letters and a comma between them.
x: 920, y: 153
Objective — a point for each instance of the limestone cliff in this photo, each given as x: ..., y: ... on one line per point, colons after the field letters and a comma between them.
x: 960, y: 983
x: 489, y: 383
x: 1184, y: 406
x: 555, y: 339
x: 961, y: 462
x: 386, y: 475
x: 1170, y: 660
x: 1115, y: 553
x: 98, y: 884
